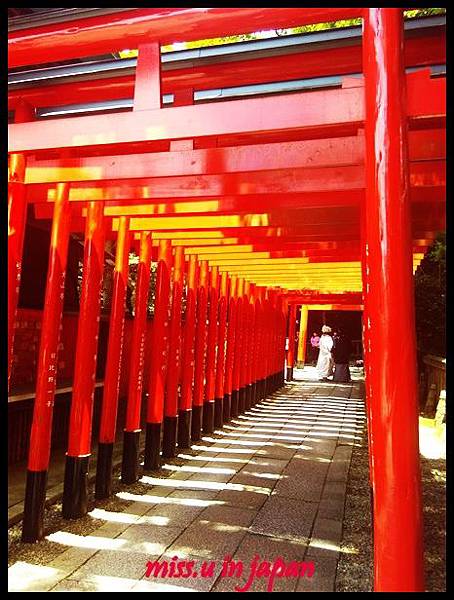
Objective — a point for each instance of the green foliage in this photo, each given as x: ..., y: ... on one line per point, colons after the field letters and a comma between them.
x: 430, y: 300
x: 408, y: 14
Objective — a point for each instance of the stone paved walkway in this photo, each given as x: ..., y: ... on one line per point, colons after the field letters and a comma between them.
x: 272, y: 483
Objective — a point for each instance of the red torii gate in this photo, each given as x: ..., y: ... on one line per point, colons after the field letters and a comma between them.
x: 243, y: 181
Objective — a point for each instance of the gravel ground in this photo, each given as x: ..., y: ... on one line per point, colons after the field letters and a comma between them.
x: 434, y: 503
x: 355, y: 567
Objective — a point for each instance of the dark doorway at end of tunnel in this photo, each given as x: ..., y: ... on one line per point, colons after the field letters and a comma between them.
x: 350, y: 321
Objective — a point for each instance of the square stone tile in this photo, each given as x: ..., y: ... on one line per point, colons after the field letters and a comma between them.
x: 203, y: 497
x: 96, y: 583
x: 72, y: 585
x: 26, y: 577
x: 286, y: 518
x: 278, y: 451
x: 302, y: 479
x: 209, y: 476
x: 217, y: 531
x: 244, y: 499
x: 113, y: 564
x: 71, y: 559
x: 149, y: 538
x: 241, y: 454
x: 228, y: 515
x: 252, y: 476
x: 331, y: 508
x: 174, y: 515
x: 338, y: 470
x: 324, y: 577
x: 326, y: 538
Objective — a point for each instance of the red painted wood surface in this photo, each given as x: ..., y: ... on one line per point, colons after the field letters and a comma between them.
x: 79, y: 442
x: 160, y: 336
x: 398, y: 554
x: 40, y: 438
x: 116, y: 333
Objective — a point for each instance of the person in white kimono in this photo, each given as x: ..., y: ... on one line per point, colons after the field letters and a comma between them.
x: 325, y: 361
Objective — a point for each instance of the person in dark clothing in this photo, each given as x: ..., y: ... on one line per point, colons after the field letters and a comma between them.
x: 341, y: 354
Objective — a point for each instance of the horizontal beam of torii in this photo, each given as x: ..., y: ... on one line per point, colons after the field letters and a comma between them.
x: 338, y: 109
x: 428, y: 47
x: 93, y: 36
x: 329, y: 152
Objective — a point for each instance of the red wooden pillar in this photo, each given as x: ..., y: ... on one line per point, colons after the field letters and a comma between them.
x: 159, y: 355
x: 243, y: 391
x: 291, y: 341
x: 255, y: 345
x: 250, y: 346
x: 185, y: 406
x: 265, y: 321
x: 398, y: 547
x: 221, y: 353
x: 274, y: 339
x: 131, y: 434
x: 208, y: 405
x: 200, y: 349
x: 277, y: 324
x: 17, y: 217
x: 269, y: 340
x: 230, y: 351
x: 41, y: 432
x: 259, y: 354
x: 284, y: 309
x: 107, y: 430
x: 169, y: 439
x: 75, y: 493
x: 235, y: 407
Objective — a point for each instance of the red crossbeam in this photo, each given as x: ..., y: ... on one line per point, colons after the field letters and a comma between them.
x: 429, y: 49
x: 94, y: 36
x: 319, y: 110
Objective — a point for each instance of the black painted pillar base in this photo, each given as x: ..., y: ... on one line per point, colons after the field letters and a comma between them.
x: 208, y: 417
x: 248, y: 396
x: 184, y: 428
x: 262, y: 390
x: 35, y: 501
x: 241, y: 400
x: 234, y: 404
x: 289, y: 374
x: 130, y: 460
x: 226, y: 408
x: 253, y: 394
x: 196, y: 424
x: 169, y: 437
x: 218, y: 413
x: 103, y: 485
x: 258, y: 391
x: 75, y: 488
x: 152, y: 458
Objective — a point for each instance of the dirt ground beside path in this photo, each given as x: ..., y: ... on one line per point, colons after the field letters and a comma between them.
x: 355, y: 567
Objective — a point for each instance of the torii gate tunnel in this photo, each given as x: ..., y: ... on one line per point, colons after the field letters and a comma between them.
x: 324, y: 194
